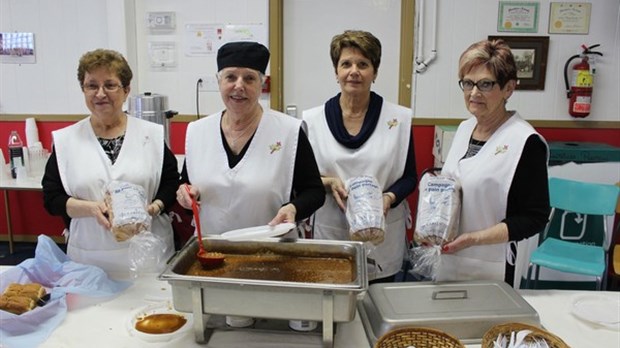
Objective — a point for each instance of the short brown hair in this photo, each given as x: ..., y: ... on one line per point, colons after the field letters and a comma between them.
x: 495, y: 55
x: 362, y: 40
x: 102, y: 58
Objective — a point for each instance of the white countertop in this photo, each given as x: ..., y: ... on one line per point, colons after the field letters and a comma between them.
x: 104, y: 323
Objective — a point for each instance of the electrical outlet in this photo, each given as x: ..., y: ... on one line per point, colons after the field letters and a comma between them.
x: 161, y: 20
x: 209, y: 84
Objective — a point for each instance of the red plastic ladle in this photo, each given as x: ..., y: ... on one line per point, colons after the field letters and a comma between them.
x: 206, y: 259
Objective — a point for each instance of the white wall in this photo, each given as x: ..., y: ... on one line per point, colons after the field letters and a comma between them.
x: 461, y: 23
x: 179, y: 83
x: 65, y: 29
x: 309, y: 76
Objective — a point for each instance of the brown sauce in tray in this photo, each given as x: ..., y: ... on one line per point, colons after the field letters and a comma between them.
x: 324, y: 270
x: 160, y: 323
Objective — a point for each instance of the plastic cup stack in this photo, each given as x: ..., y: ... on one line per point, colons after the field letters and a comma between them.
x: 37, y: 156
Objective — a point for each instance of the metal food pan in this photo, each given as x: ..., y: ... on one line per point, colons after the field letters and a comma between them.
x: 265, y: 298
x: 465, y: 309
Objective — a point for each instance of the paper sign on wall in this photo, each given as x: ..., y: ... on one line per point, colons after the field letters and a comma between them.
x: 206, y: 39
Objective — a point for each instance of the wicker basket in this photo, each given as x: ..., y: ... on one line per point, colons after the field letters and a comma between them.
x: 505, y: 329
x: 420, y: 337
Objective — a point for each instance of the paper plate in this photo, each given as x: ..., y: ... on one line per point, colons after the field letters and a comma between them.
x: 257, y: 232
x: 599, y: 309
x: 159, y: 308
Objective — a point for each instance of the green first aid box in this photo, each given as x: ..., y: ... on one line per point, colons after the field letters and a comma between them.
x: 582, y: 152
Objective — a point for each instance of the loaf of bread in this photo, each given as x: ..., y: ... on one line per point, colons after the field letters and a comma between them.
x: 33, y: 291
x: 16, y: 304
x: 127, y: 209
x: 20, y: 298
x: 365, y: 210
x: 439, y: 210
x: 373, y: 235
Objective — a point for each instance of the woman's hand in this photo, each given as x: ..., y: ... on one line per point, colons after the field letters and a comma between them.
x: 459, y: 243
x: 77, y: 208
x: 184, y: 198
x: 155, y: 208
x: 285, y: 214
x: 336, y: 187
x: 492, y: 235
x: 388, y: 199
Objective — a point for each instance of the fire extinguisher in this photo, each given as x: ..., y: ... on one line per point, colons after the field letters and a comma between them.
x: 579, y: 92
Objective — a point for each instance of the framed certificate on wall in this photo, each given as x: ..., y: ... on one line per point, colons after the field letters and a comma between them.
x: 569, y: 17
x: 518, y: 16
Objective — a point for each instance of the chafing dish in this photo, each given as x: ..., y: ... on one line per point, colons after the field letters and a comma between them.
x: 465, y: 309
x: 264, y: 298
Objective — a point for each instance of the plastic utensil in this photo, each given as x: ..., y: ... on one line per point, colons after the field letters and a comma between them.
x: 206, y: 259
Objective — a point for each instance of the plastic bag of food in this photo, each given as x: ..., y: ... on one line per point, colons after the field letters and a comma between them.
x: 438, y: 216
x: 365, y: 209
x: 127, y: 209
x: 439, y: 210
x: 147, y: 253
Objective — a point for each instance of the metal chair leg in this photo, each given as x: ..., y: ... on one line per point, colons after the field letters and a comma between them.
x: 529, y: 275
x: 536, y: 275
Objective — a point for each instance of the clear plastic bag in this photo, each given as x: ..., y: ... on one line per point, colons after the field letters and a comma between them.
x: 127, y: 212
x: 365, y: 210
x: 425, y: 261
x: 439, y: 210
x: 437, y: 223
x: 146, y: 254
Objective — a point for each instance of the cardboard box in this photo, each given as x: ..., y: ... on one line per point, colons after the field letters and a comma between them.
x: 443, y: 140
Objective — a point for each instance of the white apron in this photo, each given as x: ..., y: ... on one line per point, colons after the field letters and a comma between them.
x: 485, y: 179
x: 392, y: 132
x: 85, y: 170
x: 251, y: 193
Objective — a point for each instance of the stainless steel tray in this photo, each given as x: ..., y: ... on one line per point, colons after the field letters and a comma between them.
x: 465, y: 310
x: 328, y: 303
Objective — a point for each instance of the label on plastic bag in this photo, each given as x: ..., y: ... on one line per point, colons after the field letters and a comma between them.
x: 127, y: 209
x: 439, y: 209
x: 365, y: 209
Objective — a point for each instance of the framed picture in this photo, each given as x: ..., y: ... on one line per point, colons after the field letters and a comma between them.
x: 569, y: 17
x: 520, y: 17
x: 530, y: 54
x: 17, y: 48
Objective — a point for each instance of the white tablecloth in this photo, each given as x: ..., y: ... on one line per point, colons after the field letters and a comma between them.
x: 96, y: 323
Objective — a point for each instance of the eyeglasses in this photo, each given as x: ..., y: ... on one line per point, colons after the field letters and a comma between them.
x: 107, y: 87
x: 483, y: 85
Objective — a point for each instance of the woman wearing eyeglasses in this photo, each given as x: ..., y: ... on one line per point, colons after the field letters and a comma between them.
x: 501, y: 163
x: 105, y: 146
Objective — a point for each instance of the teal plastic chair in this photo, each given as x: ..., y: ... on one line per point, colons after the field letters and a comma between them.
x: 579, y: 207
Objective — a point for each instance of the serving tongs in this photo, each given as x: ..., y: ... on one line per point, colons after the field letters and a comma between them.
x: 42, y: 301
x: 206, y: 259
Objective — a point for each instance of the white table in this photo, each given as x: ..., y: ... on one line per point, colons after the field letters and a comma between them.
x: 7, y: 184
x: 104, y: 324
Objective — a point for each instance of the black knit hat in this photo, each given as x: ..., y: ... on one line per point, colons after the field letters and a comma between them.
x: 243, y: 54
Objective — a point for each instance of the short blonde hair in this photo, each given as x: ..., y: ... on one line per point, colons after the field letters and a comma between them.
x: 495, y: 55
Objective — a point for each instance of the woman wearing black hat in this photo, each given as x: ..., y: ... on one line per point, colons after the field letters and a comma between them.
x: 358, y: 133
x: 247, y: 165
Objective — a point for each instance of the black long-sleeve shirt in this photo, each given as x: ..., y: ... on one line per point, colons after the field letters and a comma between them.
x: 527, y: 208
x: 308, y: 193
x: 55, y: 197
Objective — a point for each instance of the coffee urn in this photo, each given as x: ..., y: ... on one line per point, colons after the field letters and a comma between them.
x: 152, y: 107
